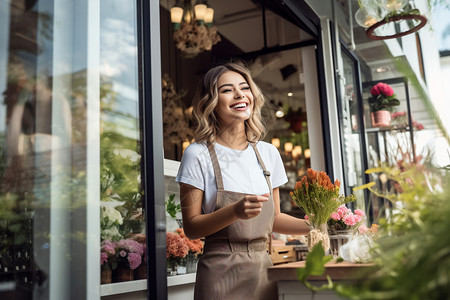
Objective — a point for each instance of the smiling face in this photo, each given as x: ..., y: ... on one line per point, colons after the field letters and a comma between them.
x: 235, y: 101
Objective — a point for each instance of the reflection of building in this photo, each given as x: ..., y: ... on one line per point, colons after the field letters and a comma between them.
x: 298, y: 53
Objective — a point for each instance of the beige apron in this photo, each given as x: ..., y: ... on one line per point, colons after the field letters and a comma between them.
x: 234, y: 263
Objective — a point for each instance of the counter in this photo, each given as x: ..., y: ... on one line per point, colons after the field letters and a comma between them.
x: 290, y: 288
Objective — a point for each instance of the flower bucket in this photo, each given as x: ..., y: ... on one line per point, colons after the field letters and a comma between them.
x: 338, y: 239
x: 191, y: 265
x: 141, y: 272
x: 106, y: 276
x: 381, y: 118
x: 121, y: 275
x: 317, y: 234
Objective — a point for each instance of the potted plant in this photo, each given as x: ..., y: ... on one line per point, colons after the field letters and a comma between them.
x: 176, y: 250
x: 381, y: 104
x: 129, y: 256
x: 318, y: 198
x: 342, y: 224
x: 108, y: 261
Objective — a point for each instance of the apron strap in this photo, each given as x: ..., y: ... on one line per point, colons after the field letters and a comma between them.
x: 216, y: 166
x: 261, y: 162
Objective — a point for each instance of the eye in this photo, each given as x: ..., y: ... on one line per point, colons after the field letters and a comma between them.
x: 245, y: 88
x: 226, y: 90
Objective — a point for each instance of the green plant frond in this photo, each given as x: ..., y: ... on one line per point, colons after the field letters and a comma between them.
x: 364, y: 186
x: 375, y: 170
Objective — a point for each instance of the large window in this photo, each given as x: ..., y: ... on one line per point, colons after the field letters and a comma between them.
x: 70, y: 144
x: 49, y: 149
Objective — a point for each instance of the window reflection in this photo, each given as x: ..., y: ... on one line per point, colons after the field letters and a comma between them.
x: 43, y: 151
x: 122, y: 218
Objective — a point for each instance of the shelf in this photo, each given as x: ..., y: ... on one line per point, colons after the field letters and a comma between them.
x: 390, y: 128
x: 181, y: 279
x: 123, y: 287
x: 141, y: 285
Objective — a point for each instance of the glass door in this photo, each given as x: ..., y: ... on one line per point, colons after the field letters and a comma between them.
x: 350, y: 112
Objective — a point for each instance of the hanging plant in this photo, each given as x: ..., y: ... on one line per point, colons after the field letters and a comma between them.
x: 375, y: 16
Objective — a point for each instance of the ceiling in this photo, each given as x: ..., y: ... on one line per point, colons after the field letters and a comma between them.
x: 241, y: 23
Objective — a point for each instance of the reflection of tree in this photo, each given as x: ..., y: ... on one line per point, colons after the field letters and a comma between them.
x: 120, y: 163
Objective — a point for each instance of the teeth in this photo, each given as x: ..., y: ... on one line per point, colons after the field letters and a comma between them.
x: 239, y: 105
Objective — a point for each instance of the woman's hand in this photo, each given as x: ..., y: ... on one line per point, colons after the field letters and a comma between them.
x: 250, y: 206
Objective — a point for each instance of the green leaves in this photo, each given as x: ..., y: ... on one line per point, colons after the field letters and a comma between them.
x: 171, y: 207
x: 315, y: 266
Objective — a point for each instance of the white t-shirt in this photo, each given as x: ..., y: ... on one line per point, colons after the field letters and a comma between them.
x: 240, y: 169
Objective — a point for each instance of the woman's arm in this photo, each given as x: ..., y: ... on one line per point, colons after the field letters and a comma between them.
x: 284, y: 223
x: 197, y: 225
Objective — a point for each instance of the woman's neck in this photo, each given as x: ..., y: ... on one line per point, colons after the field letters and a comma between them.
x: 233, y: 137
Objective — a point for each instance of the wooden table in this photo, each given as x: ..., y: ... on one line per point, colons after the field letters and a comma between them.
x: 290, y: 288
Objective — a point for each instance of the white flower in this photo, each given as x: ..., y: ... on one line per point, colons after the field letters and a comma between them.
x: 114, y: 216
x: 111, y: 234
x: 128, y: 154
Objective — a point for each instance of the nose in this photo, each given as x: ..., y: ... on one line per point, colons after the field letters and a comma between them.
x: 239, y: 95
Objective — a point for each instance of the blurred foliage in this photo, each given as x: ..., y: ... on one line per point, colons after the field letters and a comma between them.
x: 412, y: 251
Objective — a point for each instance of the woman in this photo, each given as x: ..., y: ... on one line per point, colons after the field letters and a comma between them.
x: 229, y: 183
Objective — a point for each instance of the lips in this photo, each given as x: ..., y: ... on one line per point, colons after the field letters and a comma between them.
x: 239, y: 106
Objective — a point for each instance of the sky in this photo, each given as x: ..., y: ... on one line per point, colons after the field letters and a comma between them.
x: 441, y: 24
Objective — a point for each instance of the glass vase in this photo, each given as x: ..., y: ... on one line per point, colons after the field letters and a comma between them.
x: 316, y: 234
x: 171, y: 268
x: 337, y: 239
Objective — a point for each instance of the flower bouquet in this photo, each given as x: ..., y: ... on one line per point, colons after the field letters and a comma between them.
x: 343, y: 219
x: 318, y: 198
x: 195, y: 250
x: 176, y: 249
x: 129, y: 256
x: 341, y: 226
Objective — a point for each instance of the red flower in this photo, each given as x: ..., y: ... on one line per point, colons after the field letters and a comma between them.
x: 382, y: 89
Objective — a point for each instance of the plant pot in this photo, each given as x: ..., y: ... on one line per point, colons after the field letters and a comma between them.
x: 338, y: 239
x: 191, y: 265
x: 181, y: 267
x: 381, y: 118
x: 316, y: 234
x: 141, y: 271
x: 121, y: 275
x: 106, y: 276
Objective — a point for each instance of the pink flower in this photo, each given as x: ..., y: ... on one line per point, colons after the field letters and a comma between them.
x: 382, y: 89
x: 103, y: 258
x: 350, y: 220
x: 359, y: 212
x: 306, y: 218
x: 131, y: 246
x: 357, y: 218
x: 135, y: 260
x: 342, y: 211
x: 335, y: 216
x: 418, y: 126
x: 363, y: 229
x: 398, y: 114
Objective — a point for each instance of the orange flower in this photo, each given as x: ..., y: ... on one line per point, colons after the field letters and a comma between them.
x: 195, y: 246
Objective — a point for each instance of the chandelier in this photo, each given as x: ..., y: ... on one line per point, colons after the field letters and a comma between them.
x: 381, y: 18
x: 193, y: 26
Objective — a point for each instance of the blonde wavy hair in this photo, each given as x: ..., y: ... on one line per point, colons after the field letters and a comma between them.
x: 206, y: 124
